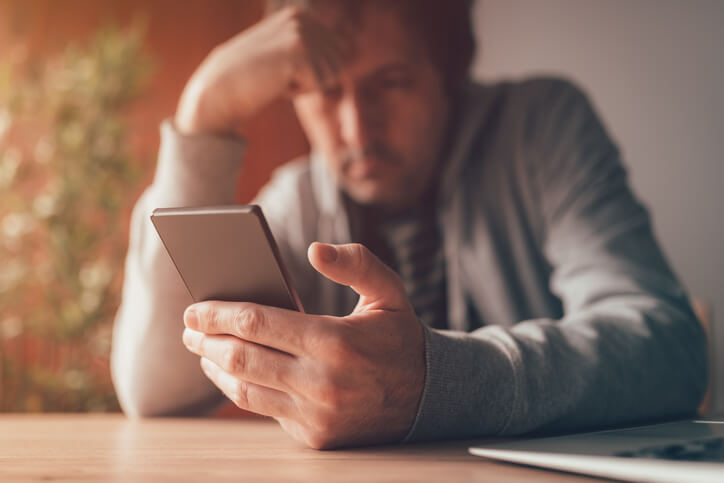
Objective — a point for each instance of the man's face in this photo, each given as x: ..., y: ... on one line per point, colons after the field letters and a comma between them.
x: 380, y: 125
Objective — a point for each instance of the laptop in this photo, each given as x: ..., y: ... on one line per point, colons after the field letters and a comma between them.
x: 679, y: 451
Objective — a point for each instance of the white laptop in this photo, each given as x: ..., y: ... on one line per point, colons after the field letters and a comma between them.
x: 680, y: 451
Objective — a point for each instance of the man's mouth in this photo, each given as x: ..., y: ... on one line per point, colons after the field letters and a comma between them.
x: 367, y: 167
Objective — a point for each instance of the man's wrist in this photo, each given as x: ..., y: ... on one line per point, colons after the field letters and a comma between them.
x: 470, y: 386
x: 199, y: 169
x: 193, y: 115
x: 201, y: 110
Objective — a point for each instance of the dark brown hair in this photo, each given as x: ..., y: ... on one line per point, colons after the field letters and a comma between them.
x: 443, y: 25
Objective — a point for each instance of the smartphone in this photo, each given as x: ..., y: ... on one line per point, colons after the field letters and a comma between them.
x: 226, y: 253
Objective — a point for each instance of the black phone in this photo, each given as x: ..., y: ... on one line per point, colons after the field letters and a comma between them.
x: 226, y: 253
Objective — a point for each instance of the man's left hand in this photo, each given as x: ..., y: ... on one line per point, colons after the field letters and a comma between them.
x: 329, y: 381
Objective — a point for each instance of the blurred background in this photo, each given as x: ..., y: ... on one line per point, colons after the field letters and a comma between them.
x: 655, y: 71
x: 84, y: 85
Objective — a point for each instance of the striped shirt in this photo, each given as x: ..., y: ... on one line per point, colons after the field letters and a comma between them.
x: 415, y: 245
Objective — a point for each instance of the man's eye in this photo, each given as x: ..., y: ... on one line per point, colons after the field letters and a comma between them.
x: 397, y: 82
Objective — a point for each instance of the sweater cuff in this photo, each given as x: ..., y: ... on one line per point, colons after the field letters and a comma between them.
x: 470, y: 386
x: 194, y: 170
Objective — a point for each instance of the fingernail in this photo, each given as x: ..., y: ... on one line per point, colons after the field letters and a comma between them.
x: 327, y: 253
x: 190, y: 318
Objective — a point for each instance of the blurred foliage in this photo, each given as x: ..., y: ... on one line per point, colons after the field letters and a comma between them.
x: 66, y: 175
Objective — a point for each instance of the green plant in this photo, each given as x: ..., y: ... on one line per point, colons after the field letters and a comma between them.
x: 67, y: 177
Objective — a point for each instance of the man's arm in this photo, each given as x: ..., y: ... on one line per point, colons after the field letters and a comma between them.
x: 628, y: 348
x: 198, y: 165
x: 152, y: 371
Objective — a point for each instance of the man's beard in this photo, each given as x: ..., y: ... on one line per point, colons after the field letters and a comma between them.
x: 375, y: 152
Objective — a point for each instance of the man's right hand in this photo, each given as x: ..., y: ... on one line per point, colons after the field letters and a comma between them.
x: 288, y: 51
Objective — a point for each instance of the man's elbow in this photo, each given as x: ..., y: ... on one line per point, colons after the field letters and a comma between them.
x: 139, y: 394
x: 694, y: 365
x: 137, y: 401
x: 136, y: 407
x: 141, y: 397
x: 702, y: 377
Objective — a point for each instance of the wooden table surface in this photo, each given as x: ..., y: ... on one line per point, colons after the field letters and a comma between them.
x: 83, y: 448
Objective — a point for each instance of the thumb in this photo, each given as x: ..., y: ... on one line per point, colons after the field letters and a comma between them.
x: 354, y: 265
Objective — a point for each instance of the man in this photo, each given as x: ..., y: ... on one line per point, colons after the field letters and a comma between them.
x: 530, y: 293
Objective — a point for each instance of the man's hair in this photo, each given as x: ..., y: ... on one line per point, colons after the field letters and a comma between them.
x: 444, y: 26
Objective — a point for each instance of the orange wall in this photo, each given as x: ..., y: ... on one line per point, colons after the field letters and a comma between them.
x: 179, y: 35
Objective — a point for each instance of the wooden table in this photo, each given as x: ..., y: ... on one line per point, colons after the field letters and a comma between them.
x: 82, y: 448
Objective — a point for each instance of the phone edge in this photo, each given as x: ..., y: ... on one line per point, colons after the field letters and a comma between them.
x: 253, y: 209
x: 168, y: 252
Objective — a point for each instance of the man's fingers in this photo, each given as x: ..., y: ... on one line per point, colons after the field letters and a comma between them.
x: 247, y: 395
x: 244, y: 360
x: 355, y: 266
x: 285, y: 330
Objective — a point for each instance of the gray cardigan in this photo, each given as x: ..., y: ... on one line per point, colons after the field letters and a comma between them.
x: 563, y: 313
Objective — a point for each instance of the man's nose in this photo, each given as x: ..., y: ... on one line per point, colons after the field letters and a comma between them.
x: 359, y: 119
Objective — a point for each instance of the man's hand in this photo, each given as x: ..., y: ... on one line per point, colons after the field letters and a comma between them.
x: 288, y: 50
x: 328, y: 381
